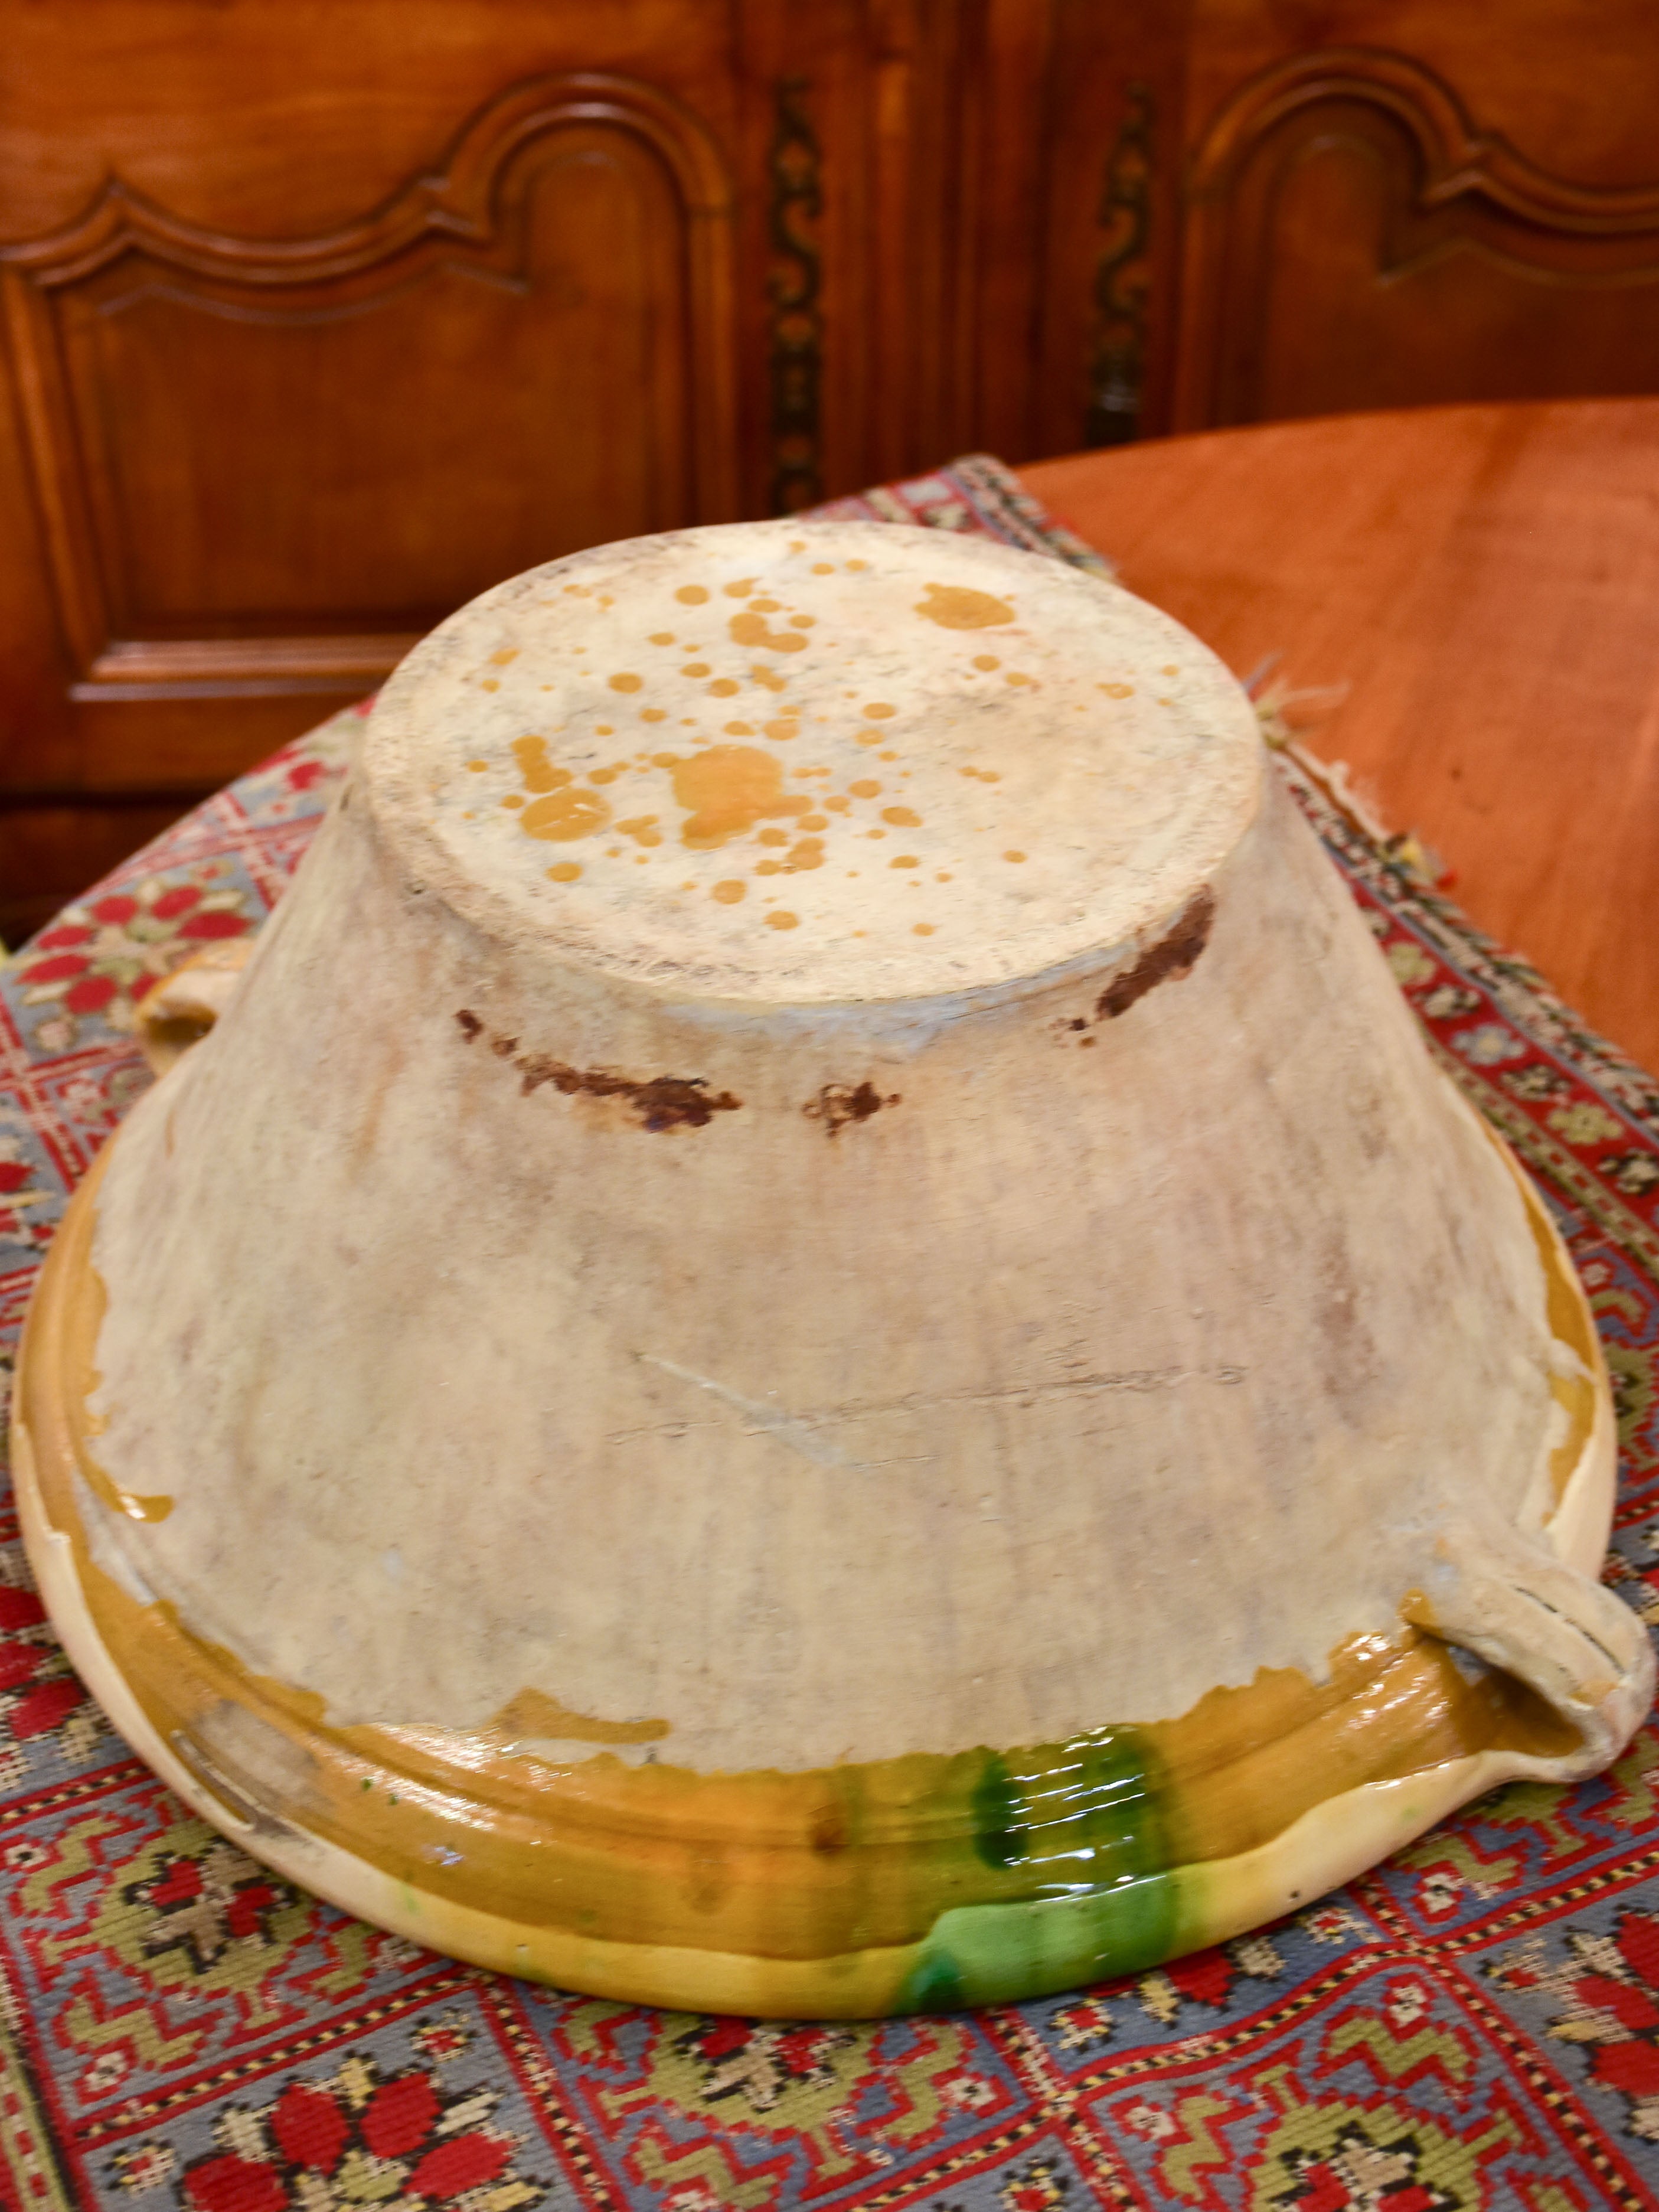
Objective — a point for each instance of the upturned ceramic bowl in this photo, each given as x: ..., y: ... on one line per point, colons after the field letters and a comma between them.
x: 816, y: 1338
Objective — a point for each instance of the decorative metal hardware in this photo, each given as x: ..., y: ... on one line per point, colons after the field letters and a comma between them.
x: 793, y: 284
x: 1117, y: 356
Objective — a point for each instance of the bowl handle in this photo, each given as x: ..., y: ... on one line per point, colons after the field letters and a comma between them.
x: 1509, y: 1600
x: 178, y: 1011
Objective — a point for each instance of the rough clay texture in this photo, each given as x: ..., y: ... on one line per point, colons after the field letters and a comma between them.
x: 810, y: 762
x: 976, y: 1369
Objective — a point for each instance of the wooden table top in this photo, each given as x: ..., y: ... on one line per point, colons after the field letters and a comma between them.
x: 1485, y: 582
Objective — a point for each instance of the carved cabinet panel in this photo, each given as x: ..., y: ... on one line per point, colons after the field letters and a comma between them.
x: 261, y: 464
x: 1352, y: 242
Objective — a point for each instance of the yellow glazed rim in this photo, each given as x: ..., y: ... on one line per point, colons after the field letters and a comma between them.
x: 919, y: 1883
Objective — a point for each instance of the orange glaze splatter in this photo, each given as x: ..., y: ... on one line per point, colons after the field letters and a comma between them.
x: 815, y: 822
x: 768, y: 679
x: 775, y: 836
x: 566, y: 872
x: 766, y: 606
x: 922, y: 928
x: 602, y: 774
x: 653, y: 714
x: 536, y: 771
x: 750, y: 629
x: 722, y: 687
x: 803, y: 621
x: 741, y: 589
x: 727, y: 790
x: 695, y: 668
x: 781, y: 919
x: 643, y: 828
x: 952, y: 606
x: 904, y: 860
x: 563, y: 815
x: 478, y: 767
x: 1118, y: 690
x: 865, y: 787
x: 823, y: 567
x: 691, y: 595
x: 1014, y: 856
x: 838, y: 805
x: 782, y: 729
x: 514, y: 798
x: 729, y: 892
x: 807, y: 853
x: 987, y: 661
x: 500, y: 659
x: 879, y: 711
x: 740, y: 729
x: 489, y: 685
x: 662, y: 637
x: 901, y: 817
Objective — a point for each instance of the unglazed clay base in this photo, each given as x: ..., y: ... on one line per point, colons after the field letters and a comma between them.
x: 814, y: 1337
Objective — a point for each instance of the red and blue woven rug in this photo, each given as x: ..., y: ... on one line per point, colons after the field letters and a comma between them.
x: 1475, y: 2024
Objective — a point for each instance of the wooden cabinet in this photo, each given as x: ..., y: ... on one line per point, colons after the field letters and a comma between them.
x: 322, y: 315
x: 1359, y: 234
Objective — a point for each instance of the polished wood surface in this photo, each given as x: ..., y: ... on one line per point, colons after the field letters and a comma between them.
x: 1483, y: 582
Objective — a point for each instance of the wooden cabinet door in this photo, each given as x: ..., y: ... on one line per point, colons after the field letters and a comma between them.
x: 282, y: 462
x: 1448, y: 211
x: 342, y: 333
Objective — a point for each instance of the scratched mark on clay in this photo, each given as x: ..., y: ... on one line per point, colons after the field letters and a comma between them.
x: 800, y: 1436
x: 1173, y: 957
x: 661, y: 1102
x: 839, y: 1104
x: 806, y: 1432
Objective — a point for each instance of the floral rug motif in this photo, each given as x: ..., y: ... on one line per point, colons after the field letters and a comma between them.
x: 1473, y: 2025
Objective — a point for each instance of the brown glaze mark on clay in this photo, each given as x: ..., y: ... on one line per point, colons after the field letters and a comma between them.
x: 838, y: 1104
x: 1168, y: 961
x: 662, y: 1101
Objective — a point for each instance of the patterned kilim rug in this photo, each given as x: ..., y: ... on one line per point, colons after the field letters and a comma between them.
x: 1475, y: 2024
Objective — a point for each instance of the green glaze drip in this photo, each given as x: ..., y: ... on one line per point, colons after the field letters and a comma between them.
x: 998, y: 1836
x: 981, y: 1955
x: 1078, y: 1824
